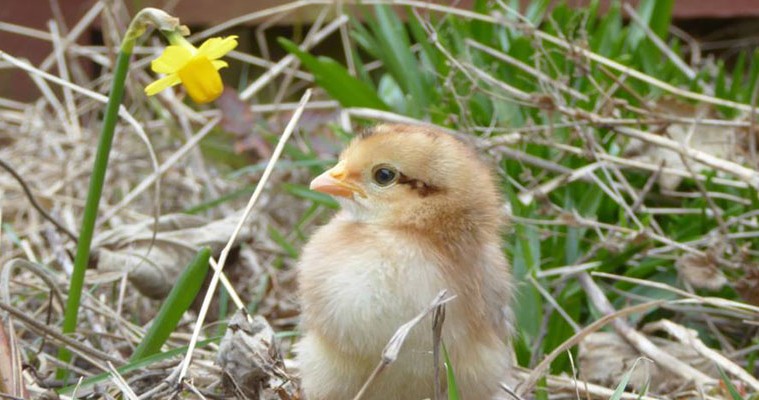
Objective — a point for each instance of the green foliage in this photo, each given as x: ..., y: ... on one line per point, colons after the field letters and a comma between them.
x: 94, y: 192
x: 336, y: 80
x: 132, y: 365
x: 623, y: 383
x: 734, y: 393
x: 453, y: 388
x: 177, y: 302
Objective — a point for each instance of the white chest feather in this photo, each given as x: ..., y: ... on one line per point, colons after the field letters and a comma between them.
x: 361, y: 292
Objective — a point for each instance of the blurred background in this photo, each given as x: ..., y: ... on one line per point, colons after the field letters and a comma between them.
x: 718, y: 25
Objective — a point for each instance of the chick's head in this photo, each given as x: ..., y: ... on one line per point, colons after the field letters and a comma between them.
x: 416, y: 177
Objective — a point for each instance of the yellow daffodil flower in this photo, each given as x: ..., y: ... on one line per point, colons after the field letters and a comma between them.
x: 197, y: 69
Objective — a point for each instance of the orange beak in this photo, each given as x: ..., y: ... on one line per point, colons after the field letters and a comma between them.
x: 334, y: 181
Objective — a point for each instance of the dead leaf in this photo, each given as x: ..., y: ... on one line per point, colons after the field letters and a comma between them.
x: 237, y: 118
x: 249, y: 355
x: 700, y: 271
x: 717, y: 141
x: 605, y: 356
x: 748, y: 285
x: 153, y: 270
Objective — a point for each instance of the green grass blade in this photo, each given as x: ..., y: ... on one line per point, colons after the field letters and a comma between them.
x: 657, y: 15
x: 208, y: 205
x: 623, y: 383
x: 431, y: 54
x: 753, y: 74
x: 397, y: 56
x: 304, y: 192
x: 453, y: 388
x: 481, y: 31
x: 179, y: 300
x: 734, y: 393
x: 536, y: 10
x: 335, y: 79
x: 133, y: 366
x: 738, y: 81
x: 604, y: 39
x: 661, y: 17
x: 280, y: 239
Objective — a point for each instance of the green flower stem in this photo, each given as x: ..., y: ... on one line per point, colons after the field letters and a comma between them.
x: 93, y: 200
x: 168, y: 26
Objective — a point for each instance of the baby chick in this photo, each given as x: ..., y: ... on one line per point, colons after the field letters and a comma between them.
x: 420, y: 213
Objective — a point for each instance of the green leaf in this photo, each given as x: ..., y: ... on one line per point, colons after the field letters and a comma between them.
x: 657, y: 15
x: 537, y: 9
x: 363, y: 37
x: 178, y: 301
x: 720, y: 85
x: 453, y: 388
x: 559, y: 330
x: 541, y: 389
x: 392, y: 94
x: 605, y: 39
x: 481, y: 30
x: 305, y: 193
x: 734, y: 394
x: 623, y: 383
x: 87, y: 383
x: 738, y: 82
x: 10, y: 233
x: 753, y: 73
x: 661, y: 17
x: 432, y: 55
x: 336, y: 80
x: 526, y: 261
x: 396, y: 55
x: 208, y: 205
x: 280, y: 239
x: 592, y: 13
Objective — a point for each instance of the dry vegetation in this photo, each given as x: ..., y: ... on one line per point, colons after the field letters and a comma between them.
x: 631, y: 176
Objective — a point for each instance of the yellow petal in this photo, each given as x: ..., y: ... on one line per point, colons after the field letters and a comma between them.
x: 202, y: 81
x: 215, y: 48
x: 161, y: 84
x: 219, y: 64
x: 171, y: 60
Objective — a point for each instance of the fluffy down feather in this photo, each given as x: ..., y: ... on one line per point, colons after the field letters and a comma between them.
x: 420, y: 213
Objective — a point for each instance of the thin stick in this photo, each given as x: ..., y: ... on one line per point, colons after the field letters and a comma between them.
x: 526, y: 68
x: 68, y: 97
x: 639, y: 341
x: 746, y: 308
x: 690, y: 337
x: 55, y: 335
x: 679, y: 63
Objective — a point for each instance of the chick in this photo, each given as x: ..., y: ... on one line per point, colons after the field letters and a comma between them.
x: 420, y: 213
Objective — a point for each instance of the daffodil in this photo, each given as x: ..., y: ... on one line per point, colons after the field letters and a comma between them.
x: 197, y: 69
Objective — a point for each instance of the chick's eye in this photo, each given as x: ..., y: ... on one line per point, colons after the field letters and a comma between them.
x: 384, y: 176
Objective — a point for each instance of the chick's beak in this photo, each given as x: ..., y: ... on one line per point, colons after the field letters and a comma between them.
x: 335, y: 181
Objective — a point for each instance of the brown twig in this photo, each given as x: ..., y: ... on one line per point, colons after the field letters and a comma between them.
x: 35, y: 204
